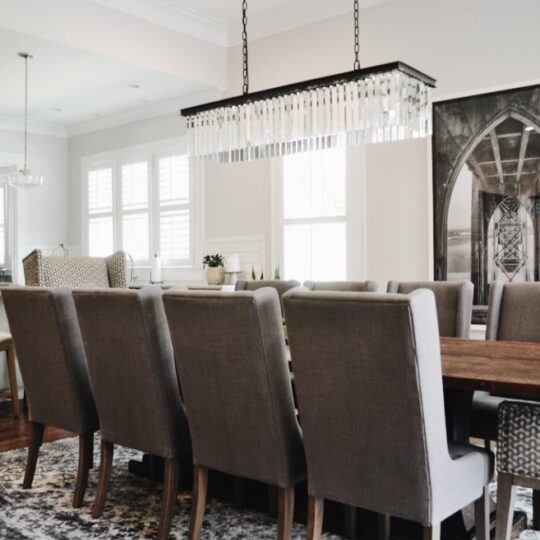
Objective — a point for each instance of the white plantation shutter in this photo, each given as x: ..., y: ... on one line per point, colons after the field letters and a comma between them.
x: 100, y: 210
x: 142, y: 206
x: 174, y: 209
x: 134, y: 210
x: 314, y: 216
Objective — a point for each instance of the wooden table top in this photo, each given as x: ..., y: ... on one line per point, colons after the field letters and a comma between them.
x: 505, y: 368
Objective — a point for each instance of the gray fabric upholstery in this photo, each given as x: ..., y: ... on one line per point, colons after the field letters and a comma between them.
x: 231, y: 358
x: 132, y: 369
x: 513, y: 315
x: 454, y: 301
x: 352, y: 286
x: 41, y: 271
x: 51, y: 357
x: 369, y: 386
x: 281, y: 286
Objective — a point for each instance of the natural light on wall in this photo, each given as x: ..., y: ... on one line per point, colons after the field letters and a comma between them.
x: 314, y: 216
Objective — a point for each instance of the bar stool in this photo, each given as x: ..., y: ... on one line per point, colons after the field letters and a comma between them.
x: 6, y: 345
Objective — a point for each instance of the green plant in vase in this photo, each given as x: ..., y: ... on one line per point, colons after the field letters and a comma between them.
x: 215, y: 271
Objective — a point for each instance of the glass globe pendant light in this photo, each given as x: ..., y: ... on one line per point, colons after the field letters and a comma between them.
x: 25, y: 178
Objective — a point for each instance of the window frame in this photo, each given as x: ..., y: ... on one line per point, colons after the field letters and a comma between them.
x: 151, y: 153
x: 355, y: 214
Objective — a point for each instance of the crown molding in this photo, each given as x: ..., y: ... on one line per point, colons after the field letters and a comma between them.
x: 173, y: 15
x: 162, y: 108
x: 37, y: 128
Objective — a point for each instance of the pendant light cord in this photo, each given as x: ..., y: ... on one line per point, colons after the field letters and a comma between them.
x: 356, y: 37
x: 25, y: 110
x: 245, y: 68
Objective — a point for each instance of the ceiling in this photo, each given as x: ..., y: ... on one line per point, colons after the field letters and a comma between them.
x: 93, y: 63
x: 68, y: 85
x: 222, y: 17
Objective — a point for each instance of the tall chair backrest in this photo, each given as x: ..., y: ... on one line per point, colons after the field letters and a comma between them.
x: 44, y: 326
x: 132, y: 369
x: 281, y: 286
x: 54, y: 271
x: 350, y: 286
x: 231, y: 358
x: 454, y: 301
x: 514, y: 312
x: 369, y: 386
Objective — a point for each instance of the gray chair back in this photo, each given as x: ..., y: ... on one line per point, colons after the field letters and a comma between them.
x: 132, y: 369
x: 231, y: 357
x: 369, y: 386
x: 281, y: 286
x: 454, y: 300
x: 50, y: 352
x: 351, y: 286
x: 514, y: 312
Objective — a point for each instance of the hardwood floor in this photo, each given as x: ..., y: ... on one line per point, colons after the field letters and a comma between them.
x: 15, y: 433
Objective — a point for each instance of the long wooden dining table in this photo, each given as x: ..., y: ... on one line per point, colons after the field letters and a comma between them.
x: 509, y: 369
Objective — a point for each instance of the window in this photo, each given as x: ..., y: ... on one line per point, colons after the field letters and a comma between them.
x: 142, y: 206
x: 314, y: 216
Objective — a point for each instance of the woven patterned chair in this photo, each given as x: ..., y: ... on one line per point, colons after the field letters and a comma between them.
x: 518, y: 458
x: 96, y: 272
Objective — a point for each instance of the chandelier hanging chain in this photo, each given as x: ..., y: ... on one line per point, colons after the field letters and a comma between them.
x: 245, y: 69
x: 356, y: 37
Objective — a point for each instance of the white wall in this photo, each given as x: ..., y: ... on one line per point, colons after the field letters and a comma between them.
x: 46, y: 208
x: 469, y: 47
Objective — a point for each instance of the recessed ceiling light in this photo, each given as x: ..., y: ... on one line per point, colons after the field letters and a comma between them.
x: 57, y: 109
x: 134, y: 86
x: 529, y: 128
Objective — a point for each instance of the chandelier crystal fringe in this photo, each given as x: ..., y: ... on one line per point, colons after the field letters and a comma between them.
x: 391, y: 102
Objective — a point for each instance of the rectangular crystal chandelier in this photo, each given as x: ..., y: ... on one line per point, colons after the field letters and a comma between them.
x: 391, y: 102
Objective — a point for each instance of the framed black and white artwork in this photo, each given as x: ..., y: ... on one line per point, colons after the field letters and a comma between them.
x: 486, y: 189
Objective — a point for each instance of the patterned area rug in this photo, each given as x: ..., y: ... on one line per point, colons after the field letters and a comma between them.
x: 131, y: 511
x: 132, y: 508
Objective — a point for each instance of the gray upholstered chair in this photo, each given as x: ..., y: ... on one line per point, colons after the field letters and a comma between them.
x: 453, y: 299
x: 281, y: 286
x: 513, y: 315
x: 374, y: 432
x: 131, y: 365
x: 43, y: 323
x: 53, y: 271
x: 230, y: 354
x: 518, y: 458
x: 351, y: 286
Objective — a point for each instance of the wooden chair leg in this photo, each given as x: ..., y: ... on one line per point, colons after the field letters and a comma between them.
x: 384, y: 526
x: 315, y: 517
x: 12, y: 374
x: 36, y: 440
x: 433, y: 532
x: 350, y: 521
x: 170, y: 488
x: 86, y: 450
x: 506, y: 499
x: 105, y: 469
x: 481, y: 516
x: 198, y: 501
x: 536, y: 510
x: 286, y: 513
